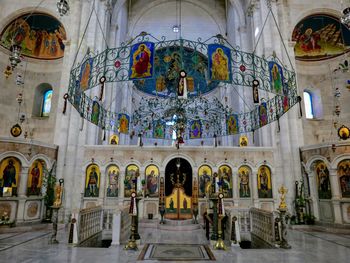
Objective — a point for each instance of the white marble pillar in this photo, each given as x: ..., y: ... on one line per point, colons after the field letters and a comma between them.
x: 254, y: 188
x: 23, y: 182
x: 313, y: 192
x: 336, y: 196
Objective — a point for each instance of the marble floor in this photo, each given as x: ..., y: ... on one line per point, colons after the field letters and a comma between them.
x: 307, y: 246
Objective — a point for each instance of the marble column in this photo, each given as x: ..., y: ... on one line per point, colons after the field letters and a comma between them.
x: 336, y: 196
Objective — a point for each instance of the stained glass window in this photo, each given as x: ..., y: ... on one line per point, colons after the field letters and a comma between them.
x: 46, y: 108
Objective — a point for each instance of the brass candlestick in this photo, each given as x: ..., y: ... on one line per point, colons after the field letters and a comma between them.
x: 220, y: 242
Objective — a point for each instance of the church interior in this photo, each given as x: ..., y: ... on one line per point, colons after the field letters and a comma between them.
x: 174, y: 131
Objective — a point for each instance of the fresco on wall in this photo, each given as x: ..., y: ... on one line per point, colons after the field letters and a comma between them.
x: 152, y: 175
x: 10, y: 169
x: 204, y: 175
x: 323, y: 182
x: 244, y: 173
x: 264, y: 182
x: 225, y: 180
x: 39, y: 35
x: 92, y: 182
x: 344, y: 177
x: 130, y: 182
x: 35, y: 176
x: 319, y: 37
x: 113, y: 179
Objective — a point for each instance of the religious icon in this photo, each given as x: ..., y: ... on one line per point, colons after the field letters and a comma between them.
x: 276, y: 76
x: 16, y: 130
x: 232, y: 124
x: 92, y: 183
x: 225, y: 180
x: 123, y: 123
x: 159, y: 130
x: 95, y: 112
x: 85, y: 73
x: 152, y: 173
x: 113, y: 181
x: 263, y: 114
x: 35, y: 178
x: 130, y: 181
x: 323, y: 182
x: 114, y: 139
x: 182, y: 85
x: 195, y: 129
x: 243, y: 141
x: 219, y: 63
x: 160, y: 84
x: 244, y: 173
x: 264, y: 182
x: 9, y: 174
x: 204, y: 174
x: 344, y: 177
x: 141, y: 60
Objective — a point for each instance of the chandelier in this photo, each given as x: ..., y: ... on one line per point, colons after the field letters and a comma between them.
x: 345, y: 19
x: 159, y: 111
x: 15, y: 57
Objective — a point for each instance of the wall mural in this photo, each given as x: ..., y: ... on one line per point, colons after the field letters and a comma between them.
x: 344, y: 177
x: 130, y: 181
x: 225, y: 180
x: 320, y: 36
x: 113, y: 179
x: 264, y: 182
x: 323, y: 182
x: 152, y: 175
x: 35, y: 178
x: 10, y: 169
x: 244, y: 174
x: 204, y: 174
x: 39, y: 35
x: 92, y: 182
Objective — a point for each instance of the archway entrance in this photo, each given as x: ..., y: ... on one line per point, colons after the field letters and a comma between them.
x: 178, y: 189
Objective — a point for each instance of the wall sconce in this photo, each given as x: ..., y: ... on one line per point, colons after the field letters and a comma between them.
x: 92, y: 160
x: 111, y: 159
x: 265, y: 162
x: 151, y: 160
x: 205, y: 160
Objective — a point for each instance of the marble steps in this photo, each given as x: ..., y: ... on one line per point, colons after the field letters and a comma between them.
x: 171, y: 225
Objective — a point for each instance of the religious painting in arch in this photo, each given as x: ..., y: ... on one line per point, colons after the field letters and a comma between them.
x: 39, y: 35
x: 132, y: 172
x: 124, y: 121
x: 319, y: 37
x: 344, y: 178
x: 205, y: 174
x: 195, y: 129
x: 232, y: 124
x: 264, y: 182
x: 85, y: 74
x: 152, y: 175
x: 114, y: 139
x: 35, y: 178
x: 225, y: 180
x: 141, y: 61
x: 244, y: 175
x: 323, y: 181
x: 219, y: 63
x: 10, y: 169
x: 113, y: 173
x: 92, y: 181
x: 276, y: 76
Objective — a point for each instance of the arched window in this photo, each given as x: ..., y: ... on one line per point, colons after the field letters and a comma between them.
x: 309, y: 111
x: 42, y: 100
